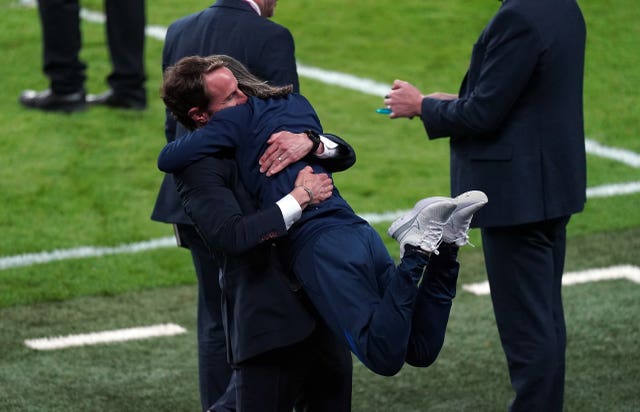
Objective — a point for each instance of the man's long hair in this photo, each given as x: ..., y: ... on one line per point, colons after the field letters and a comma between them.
x: 183, y: 86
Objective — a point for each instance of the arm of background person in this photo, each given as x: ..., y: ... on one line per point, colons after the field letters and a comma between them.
x: 503, y: 61
x: 223, y: 212
x: 508, y: 61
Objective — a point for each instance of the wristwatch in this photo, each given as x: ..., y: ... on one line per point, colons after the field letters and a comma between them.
x: 315, y: 138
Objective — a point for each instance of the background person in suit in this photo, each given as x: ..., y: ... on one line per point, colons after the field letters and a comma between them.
x: 241, y: 29
x: 61, y: 44
x: 517, y: 133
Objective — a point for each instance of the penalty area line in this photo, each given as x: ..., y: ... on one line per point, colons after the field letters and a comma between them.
x: 110, y: 336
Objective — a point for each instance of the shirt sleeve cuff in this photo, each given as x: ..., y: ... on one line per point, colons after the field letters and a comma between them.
x: 330, y: 148
x: 291, y: 210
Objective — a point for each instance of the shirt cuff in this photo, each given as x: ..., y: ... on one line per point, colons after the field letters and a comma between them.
x: 330, y: 148
x: 291, y: 210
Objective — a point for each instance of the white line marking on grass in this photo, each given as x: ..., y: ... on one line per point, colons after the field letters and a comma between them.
x: 382, y: 217
x: 29, y: 259
x: 614, y: 189
x: 344, y: 80
x: 614, y: 153
x: 110, y: 336
x: 628, y: 272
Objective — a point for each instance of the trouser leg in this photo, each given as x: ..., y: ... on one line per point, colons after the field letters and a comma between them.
x: 271, y: 382
x: 357, y: 289
x: 524, y: 266
x: 126, y: 36
x: 213, y: 369
x: 61, y: 43
x: 433, y: 306
x: 328, y: 382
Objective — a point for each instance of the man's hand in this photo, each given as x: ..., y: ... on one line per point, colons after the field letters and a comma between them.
x: 284, y: 148
x: 404, y: 100
x: 312, y: 188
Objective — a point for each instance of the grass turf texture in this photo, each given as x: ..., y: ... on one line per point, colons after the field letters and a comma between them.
x: 90, y: 179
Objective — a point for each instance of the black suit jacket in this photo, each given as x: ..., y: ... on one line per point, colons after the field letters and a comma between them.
x: 233, y: 28
x: 260, y: 310
x: 517, y: 128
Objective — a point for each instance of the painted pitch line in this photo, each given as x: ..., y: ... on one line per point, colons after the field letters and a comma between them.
x: 614, y: 189
x: 629, y: 272
x: 29, y: 259
x: 110, y: 336
x: 81, y: 252
x: 619, y: 155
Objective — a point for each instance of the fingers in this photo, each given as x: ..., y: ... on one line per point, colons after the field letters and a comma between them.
x: 323, y: 193
x: 284, y: 149
x: 278, y: 165
x: 321, y: 185
x: 268, y: 158
x: 274, y: 160
x: 303, y: 175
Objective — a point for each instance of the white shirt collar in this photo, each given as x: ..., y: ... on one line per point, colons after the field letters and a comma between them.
x: 254, y: 6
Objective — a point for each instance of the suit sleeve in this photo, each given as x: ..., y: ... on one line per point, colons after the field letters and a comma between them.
x: 207, y: 184
x: 508, y: 55
x: 224, y: 131
x: 344, y: 159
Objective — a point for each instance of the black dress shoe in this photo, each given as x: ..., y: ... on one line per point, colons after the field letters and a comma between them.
x: 49, y: 101
x: 111, y: 99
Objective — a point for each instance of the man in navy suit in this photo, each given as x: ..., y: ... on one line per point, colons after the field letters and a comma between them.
x: 241, y: 29
x: 516, y: 133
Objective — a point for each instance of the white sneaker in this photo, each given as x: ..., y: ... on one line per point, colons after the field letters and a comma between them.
x: 457, y: 228
x: 423, y: 225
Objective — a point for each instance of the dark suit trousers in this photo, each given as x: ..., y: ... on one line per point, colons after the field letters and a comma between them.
x: 125, y: 35
x: 315, y: 375
x: 524, y: 266
x: 214, y: 370
x: 364, y: 298
x: 62, y: 41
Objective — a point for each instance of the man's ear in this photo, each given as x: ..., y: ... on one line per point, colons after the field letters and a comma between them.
x: 200, y: 117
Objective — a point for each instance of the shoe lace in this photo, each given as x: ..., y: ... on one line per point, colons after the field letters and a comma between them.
x: 433, y: 236
x: 465, y: 239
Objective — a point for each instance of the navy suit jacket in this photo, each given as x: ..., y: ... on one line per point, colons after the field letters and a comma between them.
x: 517, y: 127
x: 233, y: 28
